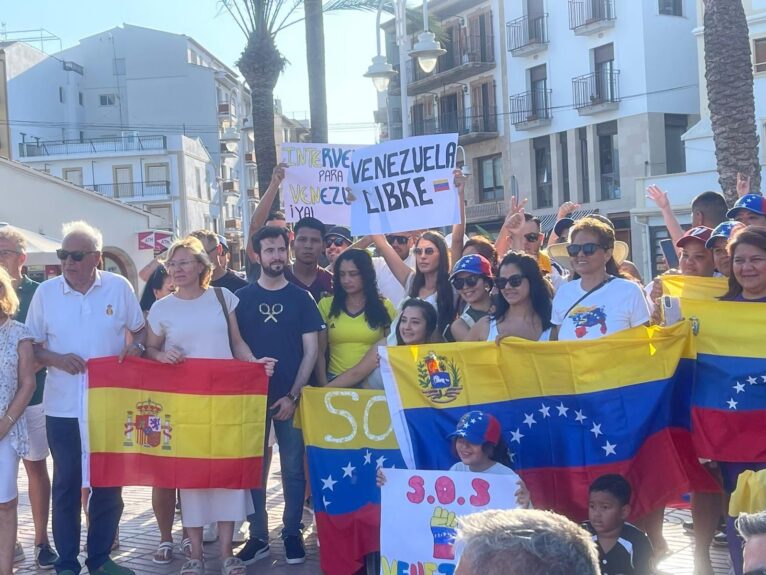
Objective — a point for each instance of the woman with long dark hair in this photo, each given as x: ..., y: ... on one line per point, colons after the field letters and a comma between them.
x: 157, y: 287
x: 524, y: 306
x: 357, y: 316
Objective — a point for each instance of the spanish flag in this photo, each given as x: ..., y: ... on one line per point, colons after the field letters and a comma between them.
x: 570, y: 411
x: 348, y: 437
x: 196, y: 425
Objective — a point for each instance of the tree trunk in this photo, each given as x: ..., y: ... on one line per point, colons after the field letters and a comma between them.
x: 316, y: 69
x: 729, y: 75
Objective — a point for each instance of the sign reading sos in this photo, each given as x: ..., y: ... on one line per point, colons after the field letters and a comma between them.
x: 444, y: 489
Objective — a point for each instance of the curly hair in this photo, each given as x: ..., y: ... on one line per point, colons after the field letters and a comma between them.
x: 540, y: 290
x: 606, y: 239
x: 445, y: 296
x: 375, y: 312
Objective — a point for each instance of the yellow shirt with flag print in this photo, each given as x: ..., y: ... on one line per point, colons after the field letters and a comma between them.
x: 349, y: 337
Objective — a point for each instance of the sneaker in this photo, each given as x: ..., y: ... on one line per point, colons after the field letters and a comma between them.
x: 253, y: 550
x: 295, y: 554
x: 18, y: 553
x: 111, y: 568
x: 210, y: 533
x: 719, y: 539
x: 45, y: 556
x: 240, y: 535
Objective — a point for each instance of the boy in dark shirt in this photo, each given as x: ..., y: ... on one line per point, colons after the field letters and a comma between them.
x: 623, y: 549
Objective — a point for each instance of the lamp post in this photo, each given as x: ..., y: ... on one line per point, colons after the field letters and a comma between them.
x: 426, y: 51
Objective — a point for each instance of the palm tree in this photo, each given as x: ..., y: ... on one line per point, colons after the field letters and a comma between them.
x: 314, y: 22
x: 729, y: 76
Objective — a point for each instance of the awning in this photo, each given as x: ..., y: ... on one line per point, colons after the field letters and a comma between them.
x: 41, y: 250
x: 549, y: 220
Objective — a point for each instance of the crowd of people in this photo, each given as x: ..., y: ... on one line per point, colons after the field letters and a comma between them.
x: 314, y: 310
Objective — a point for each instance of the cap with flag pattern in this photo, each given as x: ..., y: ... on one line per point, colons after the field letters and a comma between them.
x: 477, y: 427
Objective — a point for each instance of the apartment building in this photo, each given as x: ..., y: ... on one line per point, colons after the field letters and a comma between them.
x: 465, y: 94
x: 701, y: 167
x: 601, y: 93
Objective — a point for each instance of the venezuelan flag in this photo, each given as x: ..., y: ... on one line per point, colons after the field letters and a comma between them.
x: 348, y: 436
x: 570, y: 411
x: 690, y: 287
x: 198, y: 424
x: 729, y: 398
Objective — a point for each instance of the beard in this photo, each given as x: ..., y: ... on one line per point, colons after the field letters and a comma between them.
x: 274, y: 270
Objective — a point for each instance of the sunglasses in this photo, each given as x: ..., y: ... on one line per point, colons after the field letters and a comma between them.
x: 76, y: 255
x: 513, y: 281
x: 460, y: 283
x: 587, y: 249
x: 397, y: 240
x: 427, y: 251
x: 337, y: 242
x: 532, y: 237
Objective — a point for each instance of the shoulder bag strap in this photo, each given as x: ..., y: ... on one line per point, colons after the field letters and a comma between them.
x: 219, y: 295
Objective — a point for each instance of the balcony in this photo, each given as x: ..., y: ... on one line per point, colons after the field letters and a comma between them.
x: 485, y: 211
x: 527, y: 36
x: 590, y: 16
x: 597, y: 92
x: 226, y: 110
x: 233, y: 225
x: 158, y: 190
x: 250, y: 158
x: 93, y: 146
x: 230, y: 187
x: 475, y: 57
x: 530, y: 110
x: 472, y: 126
x: 252, y: 194
x: 229, y: 149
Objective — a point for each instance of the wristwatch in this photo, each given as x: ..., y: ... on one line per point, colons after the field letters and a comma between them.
x: 140, y: 347
x: 293, y: 397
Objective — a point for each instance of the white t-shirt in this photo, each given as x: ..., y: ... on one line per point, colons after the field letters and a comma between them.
x: 93, y: 324
x: 496, y: 469
x: 388, y: 285
x: 196, y: 327
x: 618, y: 305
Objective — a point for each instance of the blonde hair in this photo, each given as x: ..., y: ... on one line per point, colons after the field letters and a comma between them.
x: 206, y: 236
x: 14, y: 236
x: 9, y: 302
x: 84, y: 229
x: 198, y: 251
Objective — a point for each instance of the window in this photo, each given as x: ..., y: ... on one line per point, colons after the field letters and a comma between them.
x: 61, y: 94
x: 759, y: 53
x: 543, y: 185
x: 671, y: 7
x: 73, y: 176
x: 538, y: 83
x: 156, y: 173
x: 582, y: 140
x: 198, y: 182
x: 118, y: 66
x: 106, y: 100
x: 122, y: 176
x: 80, y: 99
x: 675, y: 159
x: 491, y: 179
x: 605, y: 88
x: 609, y: 161
x: 564, y: 154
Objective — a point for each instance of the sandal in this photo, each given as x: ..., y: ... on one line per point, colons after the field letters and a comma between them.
x: 233, y: 566
x: 164, y: 553
x: 186, y: 547
x: 193, y: 567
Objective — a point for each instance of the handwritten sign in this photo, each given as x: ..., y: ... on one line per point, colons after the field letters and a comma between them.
x: 404, y: 185
x: 420, y: 511
x: 315, y: 182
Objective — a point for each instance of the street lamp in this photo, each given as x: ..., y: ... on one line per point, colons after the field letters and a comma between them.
x: 427, y: 50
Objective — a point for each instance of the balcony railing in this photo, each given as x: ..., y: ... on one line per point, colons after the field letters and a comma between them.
x: 596, y: 89
x: 478, y: 49
x: 230, y: 186
x: 124, y: 190
x: 249, y: 157
x: 226, y: 109
x: 252, y: 194
x: 470, y: 121
x: 531, y: 107
x: 584, y: 13
x: 233, y: 224
x: 525, y: 33
x: 92, y: 146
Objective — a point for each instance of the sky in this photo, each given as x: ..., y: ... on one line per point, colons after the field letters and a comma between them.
x: 349, y: 48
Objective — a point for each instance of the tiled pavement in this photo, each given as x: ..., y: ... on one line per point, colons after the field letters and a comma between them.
x: 139, y: 537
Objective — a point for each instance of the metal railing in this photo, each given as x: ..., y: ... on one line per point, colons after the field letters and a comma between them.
x: 584, y: 12
x: 531, y: 106
x: 467, y: 122
x: 478, y: 49
x: 123, y: 190
x: 526, y: 31
x: 596, y: 88
x: 92, y: 146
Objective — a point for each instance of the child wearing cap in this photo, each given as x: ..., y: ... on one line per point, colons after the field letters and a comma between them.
x: 477, y: 441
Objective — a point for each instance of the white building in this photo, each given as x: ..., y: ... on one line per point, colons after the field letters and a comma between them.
x: 701, y: 167
x: 601, y: 92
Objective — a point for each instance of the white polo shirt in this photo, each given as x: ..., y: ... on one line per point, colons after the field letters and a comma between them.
x: 388, y: 285
x: 94, y: 324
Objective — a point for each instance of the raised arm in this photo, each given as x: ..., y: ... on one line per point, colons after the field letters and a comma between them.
x: 458, y: 230
x: 261, y: 213
x: 400, y: 269
x: 503, y: 241
x: 147, y: 271
x: 660, y: 198
x: 565, y: 210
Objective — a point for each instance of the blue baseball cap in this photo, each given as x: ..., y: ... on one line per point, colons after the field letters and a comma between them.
x: 750, y: 202
x: 562, y: 225
x: 473, y: 264
x: 477, y: 427
x: 722, y: 230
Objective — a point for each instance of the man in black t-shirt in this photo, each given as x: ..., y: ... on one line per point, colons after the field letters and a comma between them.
x: 215, y: 246
x: 280, y: 320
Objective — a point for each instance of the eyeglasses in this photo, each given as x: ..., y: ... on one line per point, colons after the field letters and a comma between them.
x: 6, y: 253
x: 427, y: 251
x: 460, y: 283
x: 397, y: 240
x: 532, y: 237
x: 337, y: 242
x: 76, y: 255
x: 513, y: 281
x: 180, y: 264
x: 587, y: 249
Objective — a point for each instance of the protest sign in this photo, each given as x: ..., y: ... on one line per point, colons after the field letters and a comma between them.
x: 315, y: 182
x: 420, y: 511
x: 404, y: 185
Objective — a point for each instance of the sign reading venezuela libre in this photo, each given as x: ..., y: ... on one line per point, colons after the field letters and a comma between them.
x: 196, y: 425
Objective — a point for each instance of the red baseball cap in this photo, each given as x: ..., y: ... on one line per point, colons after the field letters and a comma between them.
x: 699, y: 234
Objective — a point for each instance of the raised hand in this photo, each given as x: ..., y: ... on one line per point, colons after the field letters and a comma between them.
x: 659, y: 197
x: 743, y: 185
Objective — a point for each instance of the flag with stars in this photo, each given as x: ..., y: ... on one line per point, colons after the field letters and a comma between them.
x: 729, y: 398
x: 348, y: 437
x: 570, y: 411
